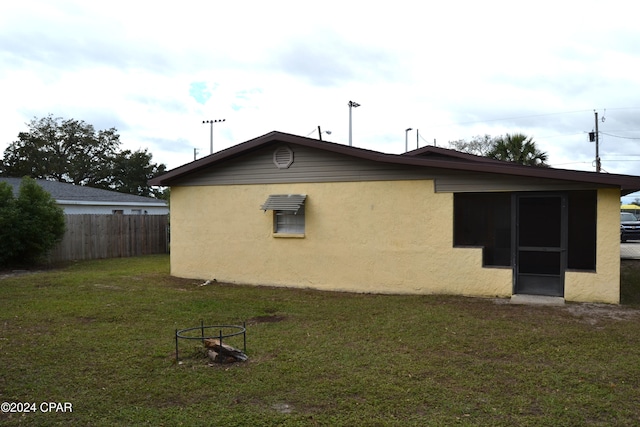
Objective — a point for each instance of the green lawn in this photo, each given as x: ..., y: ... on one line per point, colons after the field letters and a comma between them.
x: 100, y: 336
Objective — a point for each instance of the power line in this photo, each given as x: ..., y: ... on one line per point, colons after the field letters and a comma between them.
x: 532, y: 115
x: 422, y: 138
x: 609, y: 158
x: 624, y: 155
x: 618, y: 136
x: 540, y: 115
x: 512, y: 118
x: 571, y: 163
x: 560, y: 134
x: 623, y: 108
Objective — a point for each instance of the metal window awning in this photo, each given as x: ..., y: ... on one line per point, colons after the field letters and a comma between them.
x: 284, y: 202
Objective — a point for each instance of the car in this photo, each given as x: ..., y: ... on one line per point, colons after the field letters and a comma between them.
x: 629, y: 227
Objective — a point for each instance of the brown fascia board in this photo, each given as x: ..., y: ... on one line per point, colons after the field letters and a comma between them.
x: 430, y: 151
x: 626, y: 183
x: 255, y: 144
x: 208, y: 161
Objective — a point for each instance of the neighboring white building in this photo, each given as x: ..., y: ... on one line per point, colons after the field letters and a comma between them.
x: 77, y: 199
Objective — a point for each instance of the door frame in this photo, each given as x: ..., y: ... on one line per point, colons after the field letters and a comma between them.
x: 555, y: 282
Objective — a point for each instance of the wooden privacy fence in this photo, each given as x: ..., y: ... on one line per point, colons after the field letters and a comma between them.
x: 112, y: 236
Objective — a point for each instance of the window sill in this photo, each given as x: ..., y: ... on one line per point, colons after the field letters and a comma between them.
x: 504, y: 267
x: 579, y: 270
x: 289, y: 235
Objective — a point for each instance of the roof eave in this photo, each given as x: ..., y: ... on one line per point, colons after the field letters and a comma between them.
x: 626, y: 183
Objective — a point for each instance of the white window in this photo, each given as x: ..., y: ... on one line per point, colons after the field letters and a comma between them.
x: 288, y: 213
x: 289, y: 222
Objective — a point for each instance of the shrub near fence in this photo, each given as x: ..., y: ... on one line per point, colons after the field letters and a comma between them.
x: 111, y: 236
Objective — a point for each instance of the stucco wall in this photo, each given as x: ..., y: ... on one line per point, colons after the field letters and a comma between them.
x: 603, y: 285
x: 380, y: 236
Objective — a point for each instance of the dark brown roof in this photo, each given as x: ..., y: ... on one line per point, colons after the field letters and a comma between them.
x: 433, y: 152
x: 431, y: 157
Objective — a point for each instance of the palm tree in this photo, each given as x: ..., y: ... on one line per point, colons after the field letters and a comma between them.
x: 518, y: 148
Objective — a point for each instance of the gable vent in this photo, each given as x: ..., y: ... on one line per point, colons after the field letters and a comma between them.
x: 283, y: 157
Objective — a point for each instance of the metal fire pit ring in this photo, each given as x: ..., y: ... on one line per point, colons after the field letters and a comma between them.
x: 235, y: 331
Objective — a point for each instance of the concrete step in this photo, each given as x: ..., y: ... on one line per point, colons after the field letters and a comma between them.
x: 536, y: 300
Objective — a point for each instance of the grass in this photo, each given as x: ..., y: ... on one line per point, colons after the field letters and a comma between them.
x: 100, y: 335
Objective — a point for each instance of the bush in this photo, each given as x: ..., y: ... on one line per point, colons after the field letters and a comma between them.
x: 30, y: 225
x: 9, y: 241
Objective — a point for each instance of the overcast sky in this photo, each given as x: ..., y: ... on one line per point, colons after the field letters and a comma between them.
x: 452, y: 70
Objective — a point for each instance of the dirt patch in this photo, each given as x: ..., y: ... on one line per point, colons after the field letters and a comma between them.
x: 593, y: 313
x: 283, y: 408
x: 112, y: 287
x: 23, y: 270
x: 5, y: 274
x: 265, y: 319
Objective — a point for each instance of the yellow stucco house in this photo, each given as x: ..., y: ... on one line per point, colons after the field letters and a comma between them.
x: 284, y: 210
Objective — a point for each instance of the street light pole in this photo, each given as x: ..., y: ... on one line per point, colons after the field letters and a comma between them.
x: 211, y: 122
x: 328, y: 132
x: 598, y: 166
x: 320, y: 132
x: 406, y: 139
x: 351, y: 105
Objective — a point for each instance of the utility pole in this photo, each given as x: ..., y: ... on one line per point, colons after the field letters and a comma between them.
x: 211, y: 122
x: 351, y: 104
x: 597, y: 145
x: 320, y: 132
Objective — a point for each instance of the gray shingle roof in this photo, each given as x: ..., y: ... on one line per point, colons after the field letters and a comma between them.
x: 63, y: 191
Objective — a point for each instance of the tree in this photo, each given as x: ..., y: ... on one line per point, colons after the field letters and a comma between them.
x: 31, y: 225
x: 133, y: 170
x: 479, y: 145
x: 63, y: 150
x: 73, y: 151
x: 9, y: 239
x: 517, y: 148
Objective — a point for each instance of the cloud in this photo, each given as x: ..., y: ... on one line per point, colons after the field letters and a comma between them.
x: 246, y: 98
x: 451, y: 70
x: 200, y: 92
x: 328, y: 59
